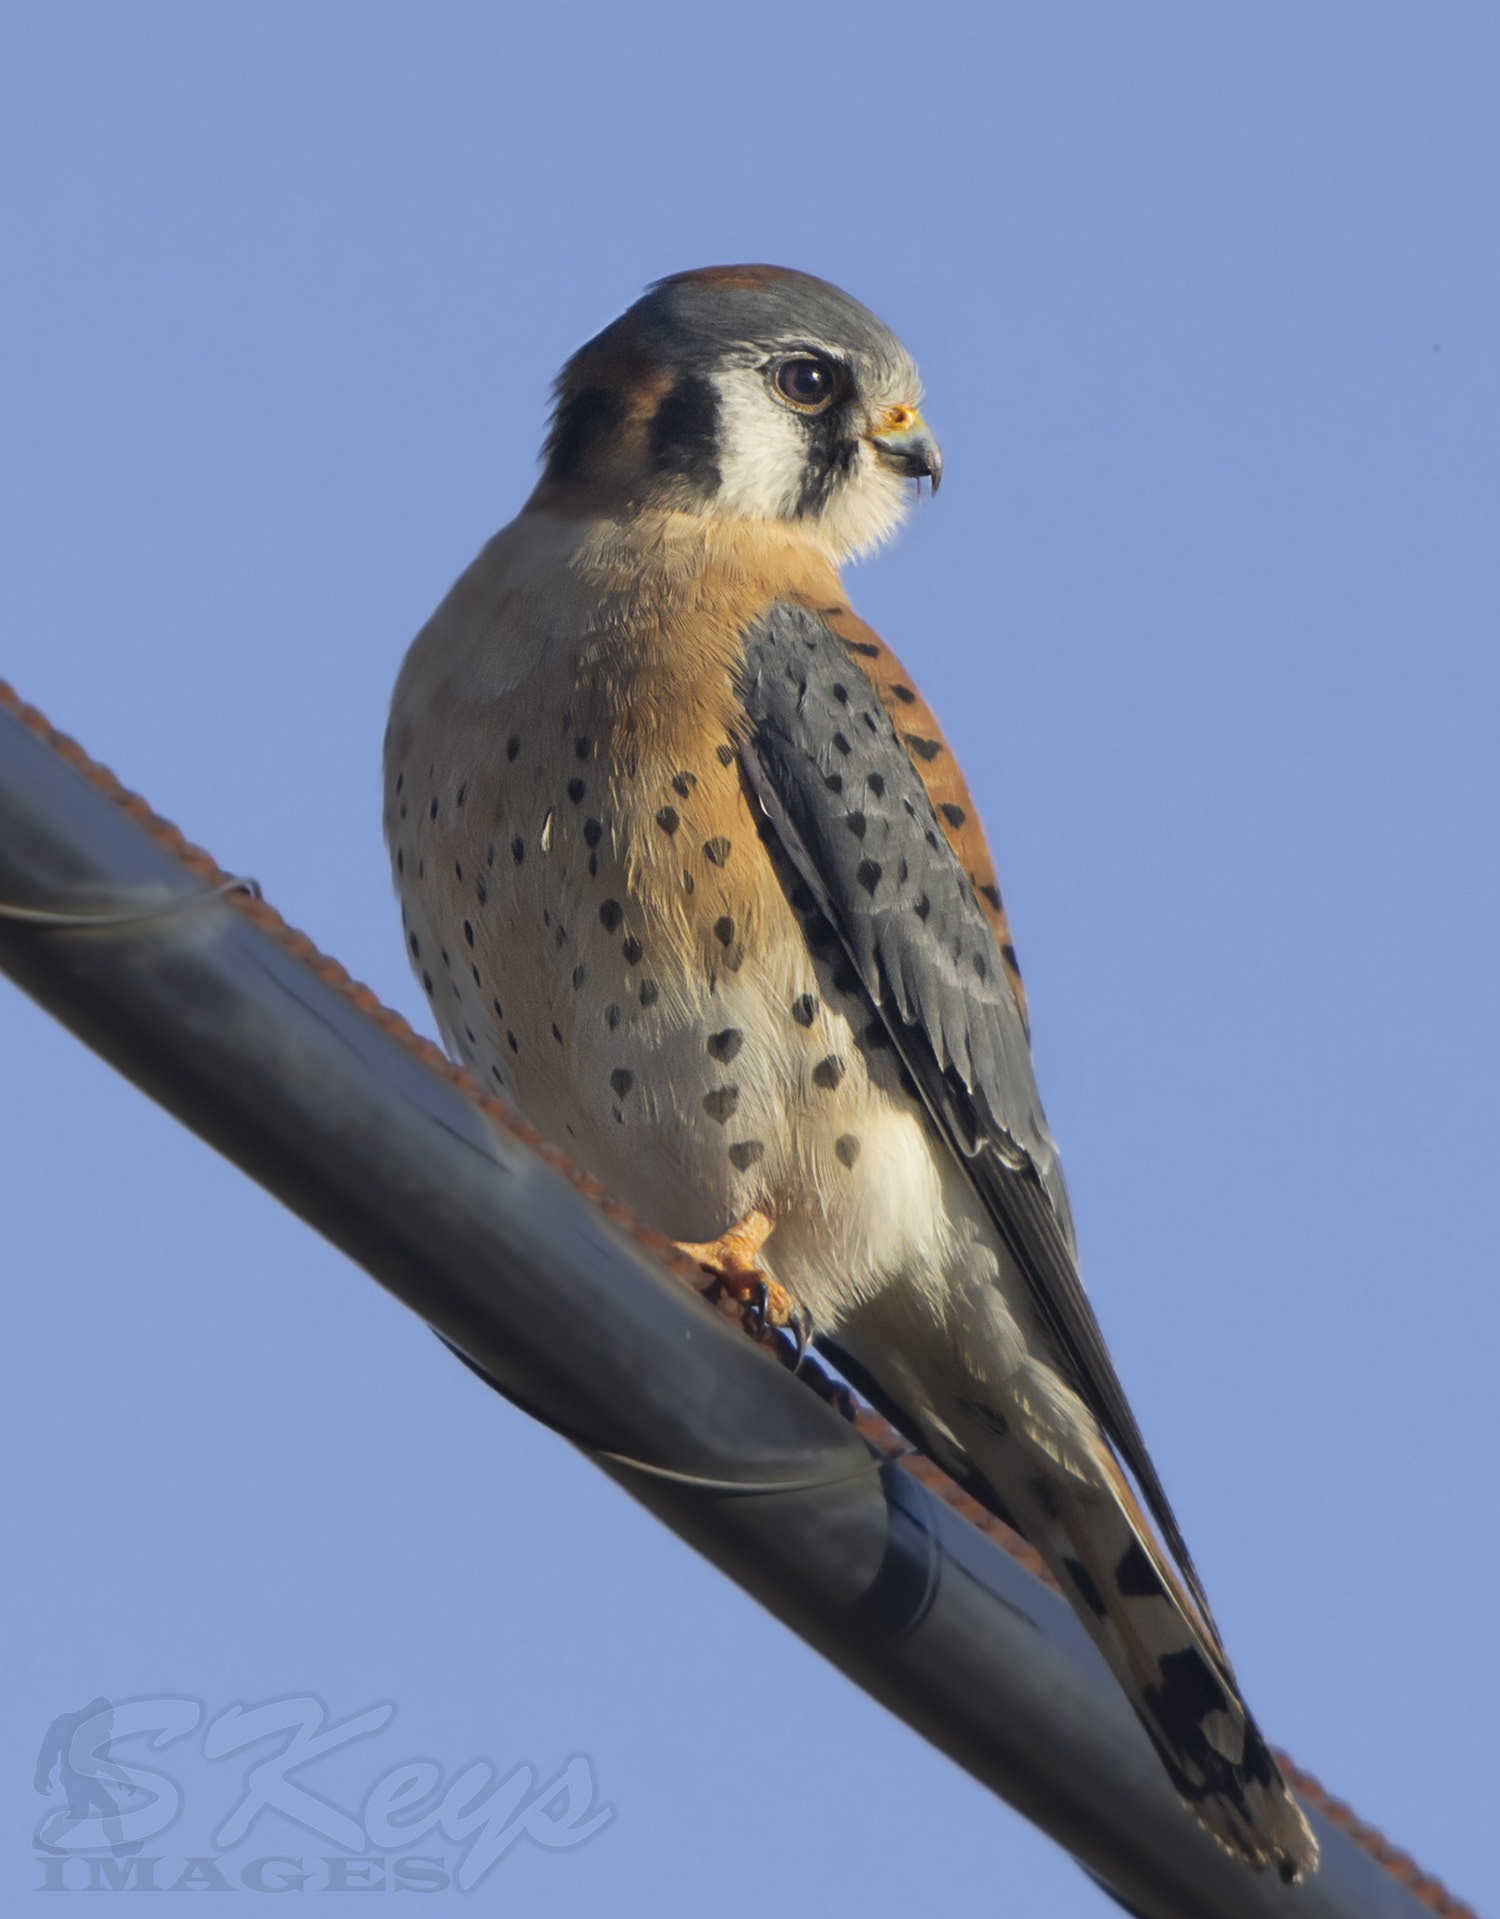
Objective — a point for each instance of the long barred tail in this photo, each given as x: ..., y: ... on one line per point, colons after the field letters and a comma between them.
x: 1163, y: 1650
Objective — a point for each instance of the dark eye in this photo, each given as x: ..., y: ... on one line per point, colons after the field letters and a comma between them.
x: 807, y: 383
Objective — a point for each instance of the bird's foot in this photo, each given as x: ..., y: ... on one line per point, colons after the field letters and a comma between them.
x: 733, y: 1259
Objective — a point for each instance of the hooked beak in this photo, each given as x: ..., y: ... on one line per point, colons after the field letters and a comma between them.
x: 904, y: 441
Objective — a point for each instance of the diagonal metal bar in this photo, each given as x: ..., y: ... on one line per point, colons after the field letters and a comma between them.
x: 212, y: 1006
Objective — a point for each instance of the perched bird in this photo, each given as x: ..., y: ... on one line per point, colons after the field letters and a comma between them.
x: 688, y: 872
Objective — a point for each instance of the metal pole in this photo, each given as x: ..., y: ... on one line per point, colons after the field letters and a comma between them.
x: 212, y: 1008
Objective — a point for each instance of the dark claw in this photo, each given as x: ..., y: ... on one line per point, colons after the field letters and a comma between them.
x: 801, y: 1329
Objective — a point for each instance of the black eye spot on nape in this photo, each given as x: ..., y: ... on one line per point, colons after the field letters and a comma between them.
x: 583, y: 423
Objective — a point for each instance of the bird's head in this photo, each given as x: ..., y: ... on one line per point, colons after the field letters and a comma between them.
x: 745, y: 393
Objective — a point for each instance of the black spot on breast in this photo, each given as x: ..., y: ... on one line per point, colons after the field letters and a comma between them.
x: 924, y: 749
x: 904, y: 694
x: 481, y: 891
x: 400, y: 860
x: 828, y: 1072
x: 400, y: 781
x: 512, y: 747
x: 632, y: 950
x: 593, y: 832
x: 1008, y: 954
x: 683, y: 784
x: 427, y: 984
x: 724, y: 1046
x: 416, y: 947
x: 841, y: 693
x: 489, y: 855
x: 560, y: 937
x: 842, y: 744
x: 668, y: 819
x: 468, y: 932
x: 1083, y: 1581
x: 868, y: 875
x: 499, y: 1009
x: 650, y: 992
x: 857, y: 824
x: 610, y: 915
x: 954, y: 815
x: 722, y: 1104
x: 593, y: 866
x: 514, y: 1043
x: 582, y: 747
x: 446, y: 961
x: 612, y: 1017
x: 876, y: 1036
x: 576, y: 790
x: 583, y: 424
x: 717, y: 849
x: 580, y: 974
x: 688, y: 882
x: 518, y: 849
x: 685, y: 433
x: 876, y: 785
x: 403, y: 809
x: 746, y: 1154
x: 458, y: 869
x: 557, y: 1034
x: 621, y: 1080
x: 804, y: 1009
x: 992, y: 894
x: 477, y: 980
x: 865, y: 647
x: 1135, y: 1576
x: 846, y: 1149
x: 463, y: 793
x: 725, y: 753
x: 723, y: 930
x: 432, y: 810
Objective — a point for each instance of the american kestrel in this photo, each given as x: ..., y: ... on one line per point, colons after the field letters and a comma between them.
x: 688, y: 872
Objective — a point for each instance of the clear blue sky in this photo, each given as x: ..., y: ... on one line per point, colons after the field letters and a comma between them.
x: 1208, y: 305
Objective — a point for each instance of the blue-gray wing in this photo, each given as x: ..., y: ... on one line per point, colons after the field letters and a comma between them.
x: 851, y: 812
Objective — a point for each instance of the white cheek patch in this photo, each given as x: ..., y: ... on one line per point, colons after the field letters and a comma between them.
x: 762, y: 452
x: 763, y: 459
